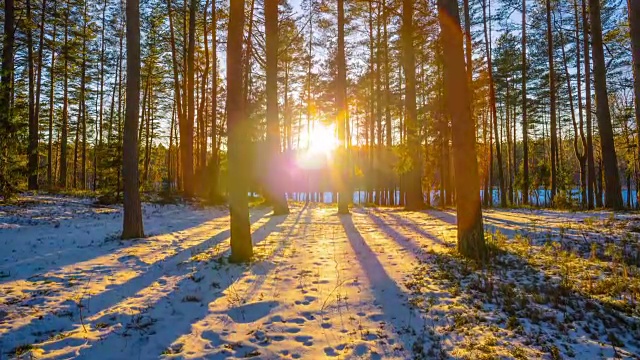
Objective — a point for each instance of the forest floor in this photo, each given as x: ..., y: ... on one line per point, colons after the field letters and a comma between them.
x: 379, y: 283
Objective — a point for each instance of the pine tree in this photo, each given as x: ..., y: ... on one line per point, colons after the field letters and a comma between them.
x: 241, y: 245
x: 469, y: 213
x: 132, y: 219
x: 613, y: 192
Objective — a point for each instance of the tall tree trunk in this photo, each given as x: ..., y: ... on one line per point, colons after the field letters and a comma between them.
x: 372, y: 110
x: 378, y: 100
x: 525, y: 124
x: 83, y: 79
x: 387, y: 100
x: 470, y: 228
x: 186, y: 133
x: 132, y: 219
x: 7, y: 126
x: 51, y: 100
x: 33, y: 118
x: 613, y: 193
x: 98, y: 151
x: 247, y: 60
x: 552, y: 105
x: 119, y: 127
x: 39, y: 67
x: 214, y: 196
x: 342, y: 110
x: 582, y: 159
x: 177, y: 95
x: 170, y: 150
x: 62, y: 179
x: 202, y: 109
x: 591, y: 167
x: 576, y: 133
x: 634, y: 31
x: 415, y: 200
x: 275, y: 192
x: 510, y: 161
x: 494, y: 112
x: 238, y: 183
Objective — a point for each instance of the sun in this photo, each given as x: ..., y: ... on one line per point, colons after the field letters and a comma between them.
x: 322, y: 143
x: 323, y: 140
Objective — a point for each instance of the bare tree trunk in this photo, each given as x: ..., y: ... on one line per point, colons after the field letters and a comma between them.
x: 552, y: 105
x: 415, y: 200
x: 186, y: 133
x: 378, y: 100
x: 83, y: 80
x: 470, y: 228
x: 591, y: 167
x: 387, y: 100
x: 247, y: 59
x: 7, y: 125
x: 494, y: 112
x: 583, y: 159
x: 213, y: 181
x: 241, y: 245
x: 613, y: 193
x: 98, y: 150
x: 65, y: 103
x: 275, y: 192
x: 342, y: 110
x: 182, y: 151
x: 525, y: 124
x: 50, y: 153
x: 132, y: 220
x: 39, y: 66
x: 202, y: 109
x: 634, y: 32
x: 33, y: 117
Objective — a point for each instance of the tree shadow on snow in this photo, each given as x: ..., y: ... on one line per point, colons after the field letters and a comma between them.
x: 527, y: 297
x: 35, y: 264
x: 40, y: 329
x: 178, y: 312
x: 386, y: 291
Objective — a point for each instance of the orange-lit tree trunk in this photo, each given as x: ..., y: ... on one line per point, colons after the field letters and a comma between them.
x: 494, y: 112
x: 341, y: 109
x: 415, y: 200
x: 214, y: 195
x: 613, y: 192
x: 186, y: 130
x: 275, y: 194
x: 238, y: 131
x: 470, y: 229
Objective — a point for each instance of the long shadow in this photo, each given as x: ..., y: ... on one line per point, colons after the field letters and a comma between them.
x: 57, y: 259
x: 509, y: 269
x: 385, y: 290
x: 183, y: 313
x: 523, y: 303
x: 406, y: 223
x: 445, y: 216
x: 282, y: 245
x: 115, y: 294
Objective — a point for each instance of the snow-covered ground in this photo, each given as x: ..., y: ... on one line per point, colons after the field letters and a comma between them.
x: 379, y: 284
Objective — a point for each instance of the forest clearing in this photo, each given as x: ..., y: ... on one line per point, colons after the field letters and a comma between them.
x: 321, y: 285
